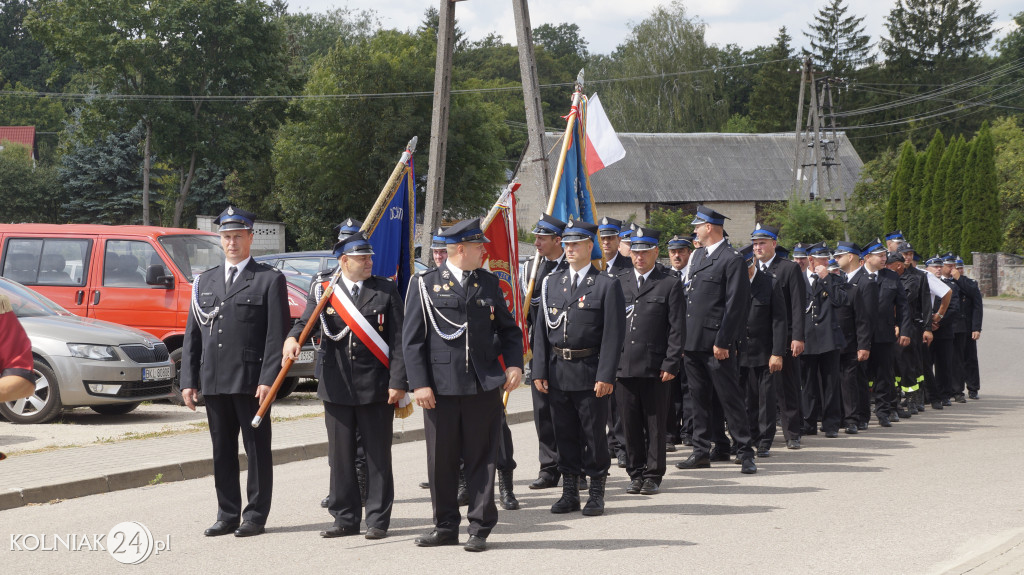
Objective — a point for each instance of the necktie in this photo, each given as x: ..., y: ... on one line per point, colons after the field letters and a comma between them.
x: 355, y: 292
x: 231, y: 275
x: 640, y: 283
x: 872, y: 276
x: 575, y: 282
x: 764, y: 267
x: 465, y: 276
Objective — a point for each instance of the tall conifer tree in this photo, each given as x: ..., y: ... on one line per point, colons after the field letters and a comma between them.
x: 901, y: 182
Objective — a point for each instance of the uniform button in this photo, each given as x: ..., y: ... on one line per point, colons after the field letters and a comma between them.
x: 221, y: 316
x: 220, y: 345
x: 220, y: 331
x: 632, y: 342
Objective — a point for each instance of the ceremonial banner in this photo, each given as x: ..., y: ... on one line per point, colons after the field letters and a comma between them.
x: 572, y: 198
x: 394, y: 233
x: 502, y: 256
x: 603, y: 145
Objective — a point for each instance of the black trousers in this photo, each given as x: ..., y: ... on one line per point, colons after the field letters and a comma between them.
x: 228, y: 415
x: 542, y: 420
x: 374, y: 424
x: 787, y: 391
x: 466, y: 429
x: 822, y: 372
x: 924, y: 351
x: 761, y: 403
x: 616, y: 433
x: 961, y: 339
x: 971, y: 367
x: 680, y: 410
x: 943, y: 356
x: 881, y: 366
x: 708, y: 376
x: 505, y: 461
x: 810, y: 394
x: 909, y: 370
x: 852, y: 387
x: 643, y: 409
x: 581, y: 419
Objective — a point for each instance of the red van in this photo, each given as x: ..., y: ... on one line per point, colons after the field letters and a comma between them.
x: 139, y: 276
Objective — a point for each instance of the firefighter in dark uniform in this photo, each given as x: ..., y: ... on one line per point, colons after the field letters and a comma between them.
x: 891, y: 315
x: 548, y: 241
x: 973, y: 314
x: 577, y: 341
x: 615, y: 262
x: 943, y: 348
x: 680, y: 411
x: 855, y: 321
x: 652, y: 355
x: 820, y: 360
x: 909, y: 370
x: 362, y: 376
x: 761, y: 348
x: 961, y: 327
x: 794, y: 286
x: 716, y: 313
x: 452, y: 316
x: 232, y: 354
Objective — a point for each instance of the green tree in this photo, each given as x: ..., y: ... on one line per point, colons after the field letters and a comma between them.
x: 953, y: 203
x: 28, y: 192
x: 803, y: 221
x: 24, y: 59
x: 1008, y: 138
x: 919, y: 230
x: 906, y: 219
x: 102, y: 180
x: 775, y: 89
x: 981, y: 229
x: 865, y: 216
x: 931, y: 200
x: 20, y: 107
x: 839, y: 45
x: 903, y: 179
x: 670, y: 222
x: 925, y: 32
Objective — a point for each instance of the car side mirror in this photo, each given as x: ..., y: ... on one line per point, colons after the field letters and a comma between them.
x: 156, y: 275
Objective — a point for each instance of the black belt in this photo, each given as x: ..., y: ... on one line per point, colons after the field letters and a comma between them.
x: 571, y: 354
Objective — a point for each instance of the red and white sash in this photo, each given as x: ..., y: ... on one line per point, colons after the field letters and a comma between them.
x: 355, y: 321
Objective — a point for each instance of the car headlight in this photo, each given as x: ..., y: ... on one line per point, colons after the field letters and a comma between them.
x: 89, y: 351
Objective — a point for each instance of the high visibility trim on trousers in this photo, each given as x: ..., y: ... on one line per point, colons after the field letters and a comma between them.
x: 911, y: 389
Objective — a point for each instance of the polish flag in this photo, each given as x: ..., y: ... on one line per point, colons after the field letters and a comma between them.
x: 603, y: 146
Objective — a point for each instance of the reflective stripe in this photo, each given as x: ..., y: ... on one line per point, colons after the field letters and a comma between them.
x: 920, y: 379
x: 871, y: 384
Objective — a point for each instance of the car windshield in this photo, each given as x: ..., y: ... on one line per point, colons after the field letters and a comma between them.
x: 27, y: 303
x: 193, y: 255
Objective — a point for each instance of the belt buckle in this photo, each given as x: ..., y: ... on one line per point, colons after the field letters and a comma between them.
x: 567, y: 354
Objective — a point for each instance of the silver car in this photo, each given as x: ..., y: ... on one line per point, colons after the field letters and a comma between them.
x: 84, y: 362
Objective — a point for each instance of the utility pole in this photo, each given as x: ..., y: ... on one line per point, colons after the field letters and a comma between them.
x: 798, y: 153
x: 439, y: 123
x: 533, y: 171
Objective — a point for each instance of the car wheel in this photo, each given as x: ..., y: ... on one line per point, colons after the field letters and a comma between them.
x: 175, y: 386
x: 287, y: 387
x: 41, y: 406
x: 115, y: 408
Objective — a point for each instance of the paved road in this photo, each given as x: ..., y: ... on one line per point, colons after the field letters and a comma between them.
x: 939, y: 493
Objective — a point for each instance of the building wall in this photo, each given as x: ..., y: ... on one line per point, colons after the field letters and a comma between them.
x: 269, y: 236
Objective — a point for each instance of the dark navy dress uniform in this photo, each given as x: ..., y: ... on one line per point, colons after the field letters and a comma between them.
x: 855, y: 320
x: 617, y: 264
x: 822, y: 396
x: 765, y: 335
x: 233, y: 342
x: 716, y: 313
x: 460, y: 364
x: 973, y: 313
x: 653, y: 344
x: 353, y: 385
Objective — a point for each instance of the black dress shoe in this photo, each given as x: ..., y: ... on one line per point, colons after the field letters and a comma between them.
x: 883, y: 420
x: 670, y: 447
x: 375, y: 533
x: 792, y: 444
x: 424, y: 485
x: 937, y: 405
x: 635, y: 486
x: 249, y: 529
x: 325, y: 502
x: 764, y: 452
x: 693, y: 463
x: 946, y: 402
x: 544, y: 482
x: 437, y: 539
x: 960, y: 398
x: 336, y: 531
x: 809, y: 431
x: 220, y: 528
x: 862, y: 426
x: 894, y: 417
x: 621, y: 460
x: 687, y: 440
x: 475, y: 544
x: 650, y: 487
x: 748, y: 466
x: 973, y: 395
x: 851, y: 429
x: 719, y: 455
x: 831, y: 434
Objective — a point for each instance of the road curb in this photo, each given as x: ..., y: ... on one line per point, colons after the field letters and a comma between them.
x: 182, y: 470
x: 1014, y: 309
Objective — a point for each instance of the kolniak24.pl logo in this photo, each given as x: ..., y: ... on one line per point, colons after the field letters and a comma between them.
x: 129, y: 542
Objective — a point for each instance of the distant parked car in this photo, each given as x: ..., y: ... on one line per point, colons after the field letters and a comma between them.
x: 84, y: 362
x: 300, y: 267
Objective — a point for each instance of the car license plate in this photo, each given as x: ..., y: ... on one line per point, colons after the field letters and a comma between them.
x: 306, y: 356
x: 155, y: 373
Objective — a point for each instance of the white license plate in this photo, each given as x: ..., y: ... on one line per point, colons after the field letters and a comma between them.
x: 155, y: 373
x: 306, y: 356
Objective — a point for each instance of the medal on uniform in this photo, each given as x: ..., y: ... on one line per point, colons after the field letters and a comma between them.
x: 446, y: 287
x: 330, y: 311
x: 492, y: 311
x: 380, y: 322
x: 437, y: 288
x: 475, y: 285
x: 581, y: 300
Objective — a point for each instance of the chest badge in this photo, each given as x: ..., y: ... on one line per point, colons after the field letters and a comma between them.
x: 330, y: 311
x: 446, y: 288
x: 437, y: 288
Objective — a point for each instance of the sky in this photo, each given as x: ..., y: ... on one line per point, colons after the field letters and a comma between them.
x: 606, y: 23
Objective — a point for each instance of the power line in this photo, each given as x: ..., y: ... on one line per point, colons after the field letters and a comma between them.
x: 360, y: 96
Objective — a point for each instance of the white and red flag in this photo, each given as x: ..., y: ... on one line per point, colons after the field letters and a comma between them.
x: 603, y: 146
